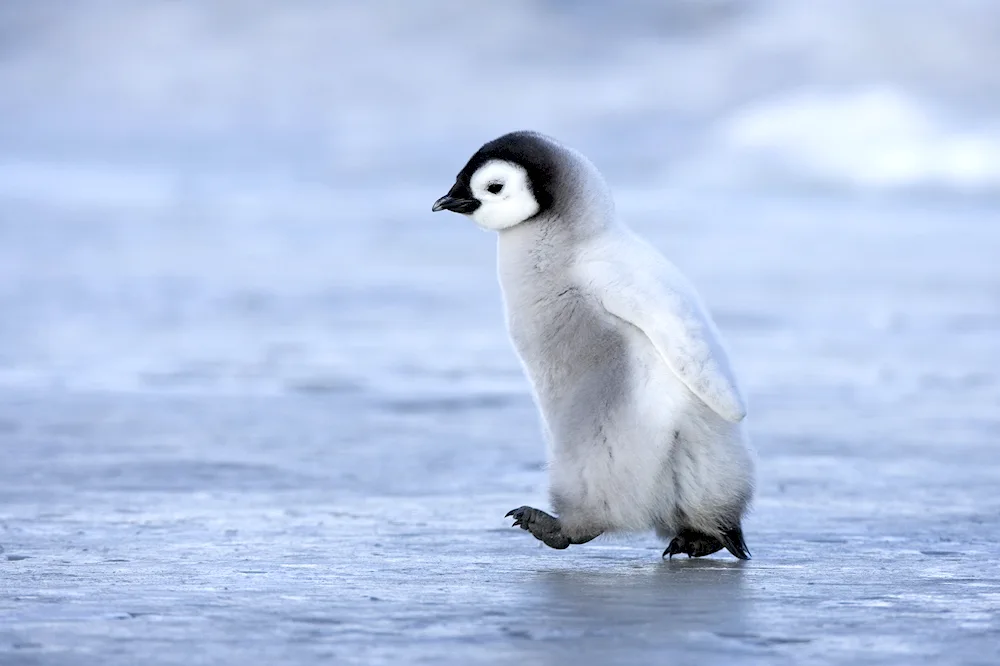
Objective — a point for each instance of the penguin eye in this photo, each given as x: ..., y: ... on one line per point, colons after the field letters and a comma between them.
x: 494, y: 188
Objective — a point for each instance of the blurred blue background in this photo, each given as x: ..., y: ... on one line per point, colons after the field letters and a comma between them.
x: 235, y: 342
x: 234, y: 195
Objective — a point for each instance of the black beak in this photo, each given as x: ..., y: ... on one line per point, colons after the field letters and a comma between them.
x: 458, y: 200
x: 464, y: 206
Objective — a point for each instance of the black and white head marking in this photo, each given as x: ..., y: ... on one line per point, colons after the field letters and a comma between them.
x: 508, y: 181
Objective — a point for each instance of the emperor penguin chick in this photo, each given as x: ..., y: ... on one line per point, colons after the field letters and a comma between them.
x: 643, y: 415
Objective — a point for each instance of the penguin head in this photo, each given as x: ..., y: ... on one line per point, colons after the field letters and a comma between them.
x: 508, y: 181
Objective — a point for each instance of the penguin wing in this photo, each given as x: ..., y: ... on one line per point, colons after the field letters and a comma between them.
x: 655, y: 298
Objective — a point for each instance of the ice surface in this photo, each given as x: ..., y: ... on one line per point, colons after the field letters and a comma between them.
x: 257, y: 403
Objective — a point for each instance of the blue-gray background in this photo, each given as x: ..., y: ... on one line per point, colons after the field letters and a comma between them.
x: 256, y: 401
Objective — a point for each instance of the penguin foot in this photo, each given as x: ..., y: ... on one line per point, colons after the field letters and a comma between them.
x: 544, y: 527
x: 692, y: 544
x: 698, y: 544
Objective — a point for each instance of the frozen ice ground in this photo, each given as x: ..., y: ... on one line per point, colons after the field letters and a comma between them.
x: 256, y: 401
x: 320, y: 468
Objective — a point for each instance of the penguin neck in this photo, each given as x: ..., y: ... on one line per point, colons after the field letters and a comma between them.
x: 550, y: 243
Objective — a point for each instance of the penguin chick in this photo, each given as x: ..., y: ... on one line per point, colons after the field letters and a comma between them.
x: 643, y: 415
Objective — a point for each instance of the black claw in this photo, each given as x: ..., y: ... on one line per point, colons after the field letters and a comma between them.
x: 519, y: 517
x: 517, y: 514
x: 732, y: 539
x: 676, y: 547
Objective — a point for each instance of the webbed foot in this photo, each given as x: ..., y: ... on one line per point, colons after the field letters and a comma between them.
x: 544, y: 527
x: 698, y: 544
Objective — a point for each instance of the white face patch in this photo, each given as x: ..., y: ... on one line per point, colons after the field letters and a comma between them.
x: 504, y: 193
